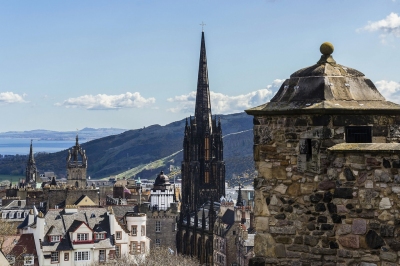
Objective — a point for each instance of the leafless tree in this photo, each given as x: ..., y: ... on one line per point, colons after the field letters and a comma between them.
x: 156, y: 257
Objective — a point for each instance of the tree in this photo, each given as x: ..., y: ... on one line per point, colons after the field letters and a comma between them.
x: 156, y: 257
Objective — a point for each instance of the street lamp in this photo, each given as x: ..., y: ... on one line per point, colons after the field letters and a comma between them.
x: 98, y: 194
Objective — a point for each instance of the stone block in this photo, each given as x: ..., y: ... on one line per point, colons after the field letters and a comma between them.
x: 373, y: 240
x: 326, y: 185
x: 281, y: 188
x: 260, y: 206
x: 261, y: 223
x: 307, y: 188
x: 359, y: 227
x: 280, y: 251
x: 264, y: 245
x: 349, y: 241
x: 385, y: 204
x: 389, y: 256
x: 299, y: 248
x: 311, y: 240
x: 293, y: 190
x: 343, y: 229
x: 285, y: 230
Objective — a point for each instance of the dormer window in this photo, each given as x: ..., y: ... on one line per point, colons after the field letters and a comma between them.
x: 11, y: 216
x: 82, y: 237
x: 55, y: 238
x: 4, y: 215
x: 29, y: 259
x: 100, y: 235
x: 18, y: 215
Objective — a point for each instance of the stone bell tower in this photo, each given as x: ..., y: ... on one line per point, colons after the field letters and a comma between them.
x: 76, y: 166
x: 327, y: 152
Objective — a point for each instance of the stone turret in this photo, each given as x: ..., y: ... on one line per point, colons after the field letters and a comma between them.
x: 327, y: 154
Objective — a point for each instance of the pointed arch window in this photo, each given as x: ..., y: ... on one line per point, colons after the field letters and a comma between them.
x: 207, y: 148
x: 207, y: 177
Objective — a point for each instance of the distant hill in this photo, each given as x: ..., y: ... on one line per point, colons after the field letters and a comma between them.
x: 148, y: 150
x: 84, y: 134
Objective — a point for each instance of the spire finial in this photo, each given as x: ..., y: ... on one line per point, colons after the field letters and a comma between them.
x: 202, y: 26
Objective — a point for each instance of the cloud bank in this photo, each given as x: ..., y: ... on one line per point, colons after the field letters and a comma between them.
x: 388, y: 26
x: 389, y: 89
x: 225, y: 104
x: 10, y: 97
x: 107, y: 102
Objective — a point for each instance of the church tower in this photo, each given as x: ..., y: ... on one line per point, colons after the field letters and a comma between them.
x: 76, y: 166
x: 203, y: 168
x: 31, y: 172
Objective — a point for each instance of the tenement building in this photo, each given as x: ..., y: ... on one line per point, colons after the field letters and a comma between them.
x: 327, y: 154
x: 203, y: 173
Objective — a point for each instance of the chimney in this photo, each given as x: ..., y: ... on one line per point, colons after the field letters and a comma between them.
x: 251, y: 220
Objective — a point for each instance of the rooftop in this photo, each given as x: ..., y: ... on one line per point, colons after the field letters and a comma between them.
x: 327, y: 88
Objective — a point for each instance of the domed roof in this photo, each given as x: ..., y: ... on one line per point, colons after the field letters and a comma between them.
x: 326, y: 87
x: 162, y: 180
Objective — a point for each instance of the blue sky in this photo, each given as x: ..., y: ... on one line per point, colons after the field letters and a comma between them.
x: 127, y: 64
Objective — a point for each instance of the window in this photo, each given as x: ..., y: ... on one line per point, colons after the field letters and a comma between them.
x: 82, y: 255
x: 18, y: 215
x: 118, y: 235
x: 358, y: 134
x: 66, y: 256
x: 29, y: 259
x: 207, y: 177
x: 54, y: 238
x: 158, y: 226
x: 118, y: 251
x: 207, y: 148
x: 143, y: 230
x: 4, y: 215
x: 83, y: 237
x: 158, y: 242
x: 100, y: 235
x: 54, y: 257
x: 134, y: 230
x: 134, y: 247
x: 142, y: 247
x: 102, y: 255
x: 306, y: 148
x: 11, y: 215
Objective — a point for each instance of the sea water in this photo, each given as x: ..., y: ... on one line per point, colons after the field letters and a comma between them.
x: 13, y: 146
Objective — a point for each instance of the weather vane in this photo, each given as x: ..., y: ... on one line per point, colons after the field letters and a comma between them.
x: 202, y: 25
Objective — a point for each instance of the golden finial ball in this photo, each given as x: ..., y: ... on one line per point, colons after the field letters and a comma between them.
x: 326, y: 48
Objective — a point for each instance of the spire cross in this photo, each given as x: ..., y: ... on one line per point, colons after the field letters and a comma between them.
x: 202, y: 25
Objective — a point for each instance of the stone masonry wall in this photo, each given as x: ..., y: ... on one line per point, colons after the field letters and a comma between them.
x: 324, y: 208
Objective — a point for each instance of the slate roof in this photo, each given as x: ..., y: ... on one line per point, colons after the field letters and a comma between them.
x: 121, y: 210
x: 57, y: 221
x: 327, y: 88
x: 228, y: 217
x: 24, y: 246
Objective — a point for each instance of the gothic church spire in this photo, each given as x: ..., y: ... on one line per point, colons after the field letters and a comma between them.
x: 203, y: 103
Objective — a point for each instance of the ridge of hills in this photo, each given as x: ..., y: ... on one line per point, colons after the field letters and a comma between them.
x: 146, y: 151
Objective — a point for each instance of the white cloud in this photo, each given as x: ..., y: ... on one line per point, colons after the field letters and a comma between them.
x: 389, y: 25
x: 389, y: 89
x: 225, y: 104
x: 106, y: 102
x: 10, y: 97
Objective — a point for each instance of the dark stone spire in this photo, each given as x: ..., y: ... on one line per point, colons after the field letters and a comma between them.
x: 203, y: 103
x: 31, y: 172
x: 31, y: 157
x: 239, y: 201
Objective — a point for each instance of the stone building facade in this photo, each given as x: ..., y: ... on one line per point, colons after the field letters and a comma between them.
x: 327, y: 154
